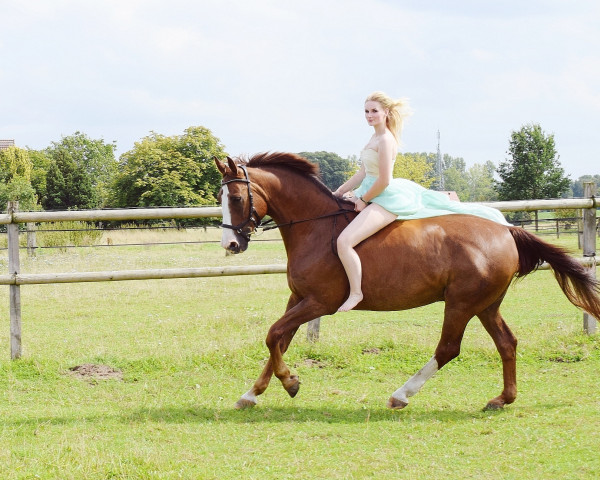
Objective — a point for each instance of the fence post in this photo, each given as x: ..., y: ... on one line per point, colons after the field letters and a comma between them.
x: 579, y: 227
x: 589, y: 246
x: 31, y: 239
x: 14, y: 267
x: 312, y: 330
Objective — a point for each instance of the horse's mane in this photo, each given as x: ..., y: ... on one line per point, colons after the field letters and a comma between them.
x: 288, y: 161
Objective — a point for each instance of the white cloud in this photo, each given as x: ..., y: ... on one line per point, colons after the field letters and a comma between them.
x: 267, y: 74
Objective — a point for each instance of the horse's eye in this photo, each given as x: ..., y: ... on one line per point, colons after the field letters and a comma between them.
x: 235, y: 198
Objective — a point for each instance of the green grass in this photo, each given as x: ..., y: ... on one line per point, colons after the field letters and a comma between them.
x: 189, y: 348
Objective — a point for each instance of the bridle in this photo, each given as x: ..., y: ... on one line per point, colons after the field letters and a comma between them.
x: 254, y: 218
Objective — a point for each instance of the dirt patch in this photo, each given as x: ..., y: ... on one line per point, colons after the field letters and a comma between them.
x: 566, y: 359
x: 90, y: 371
x: 311, y: 363
x: 371, y: 351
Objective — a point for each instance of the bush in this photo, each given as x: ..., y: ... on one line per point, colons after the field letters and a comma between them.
x: 519, y: 217
x: 68, y: 234
x: 569, y: 217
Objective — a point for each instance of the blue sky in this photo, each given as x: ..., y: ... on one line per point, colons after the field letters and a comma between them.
x: 292, y: 76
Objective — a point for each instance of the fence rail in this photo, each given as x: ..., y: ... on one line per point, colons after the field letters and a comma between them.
x: 532, y: 205
x: 110, y: 215
x: 209, y: 212
x: 15, y: 279
x: 150, y: 274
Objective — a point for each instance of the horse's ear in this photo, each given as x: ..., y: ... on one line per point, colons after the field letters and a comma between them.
x: 232, y: 166
x: 221, y: 166
x: 232, y: 170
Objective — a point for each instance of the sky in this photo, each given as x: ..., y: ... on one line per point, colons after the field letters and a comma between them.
x: 277, y: 75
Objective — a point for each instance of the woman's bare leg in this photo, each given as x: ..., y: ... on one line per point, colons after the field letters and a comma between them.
x: 372, y: 219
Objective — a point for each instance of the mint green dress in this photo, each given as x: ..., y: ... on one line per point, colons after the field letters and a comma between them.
x: 410, y: 200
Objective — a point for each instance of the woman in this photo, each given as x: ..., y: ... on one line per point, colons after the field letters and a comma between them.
x: 381, y: 199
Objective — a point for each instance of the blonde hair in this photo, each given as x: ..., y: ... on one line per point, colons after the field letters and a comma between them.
x: 398, y: 111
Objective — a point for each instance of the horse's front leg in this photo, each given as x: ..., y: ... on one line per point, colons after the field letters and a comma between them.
x: 278, y: 340
x: 249, y: 399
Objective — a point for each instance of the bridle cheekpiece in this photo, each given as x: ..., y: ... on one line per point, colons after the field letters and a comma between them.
x: 253, y: 216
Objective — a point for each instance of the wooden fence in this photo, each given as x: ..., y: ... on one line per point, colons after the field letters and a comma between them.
x: 14, y: 279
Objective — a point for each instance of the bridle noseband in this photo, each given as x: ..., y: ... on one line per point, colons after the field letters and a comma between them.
x: 253, y: 216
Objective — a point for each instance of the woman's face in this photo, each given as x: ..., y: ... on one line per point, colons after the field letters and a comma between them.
x: 374, y: 113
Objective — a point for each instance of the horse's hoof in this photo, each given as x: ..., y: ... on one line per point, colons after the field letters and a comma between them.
x: 243, y: 403
x: 498, y: 402
x: 492, y: 406
x: 396, y: 404
x: 293, y: 388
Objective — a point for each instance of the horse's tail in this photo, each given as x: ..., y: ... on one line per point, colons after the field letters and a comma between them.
x: 575, y: 280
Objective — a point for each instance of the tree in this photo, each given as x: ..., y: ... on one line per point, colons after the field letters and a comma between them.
x: 533, y: 170
x: 457, y: 163
x: 415, y: 167
x: 94, y: 158
x: 14, y: 162
x: 334, y: 169
x: 455, y: 176
x: 169, y: 171
x: 577, y: 185
x: 480, y: 179
x: 20, y: 190
x: 68, y: 185
x: 453, y: 171
x: 15, y: 178
x: 456, y: 181
x: 40, y: 165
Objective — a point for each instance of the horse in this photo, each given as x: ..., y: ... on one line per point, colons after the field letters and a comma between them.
x: 466, y: 261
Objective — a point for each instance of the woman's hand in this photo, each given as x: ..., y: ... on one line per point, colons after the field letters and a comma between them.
x: 359, y: 204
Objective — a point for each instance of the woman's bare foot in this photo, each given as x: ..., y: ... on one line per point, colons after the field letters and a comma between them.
x: 353, y: 300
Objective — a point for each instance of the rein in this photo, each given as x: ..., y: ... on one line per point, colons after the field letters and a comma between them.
x: 267, y: 225
x: 254, y: 218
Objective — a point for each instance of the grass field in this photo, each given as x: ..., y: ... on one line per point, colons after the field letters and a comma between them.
x: 188, y: 348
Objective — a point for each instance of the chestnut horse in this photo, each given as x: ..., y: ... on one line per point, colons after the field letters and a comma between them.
x: 466, y: 261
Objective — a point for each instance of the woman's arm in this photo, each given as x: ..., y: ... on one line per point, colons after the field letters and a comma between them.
x: 352, y: 183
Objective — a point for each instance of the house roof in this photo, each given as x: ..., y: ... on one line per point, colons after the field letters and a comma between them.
x: 4, y: 144
x: 452, y: 195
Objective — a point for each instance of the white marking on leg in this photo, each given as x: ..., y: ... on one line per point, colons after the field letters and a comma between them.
x: 228, y: 235
x: 414, y: 384
x: 249, y: 396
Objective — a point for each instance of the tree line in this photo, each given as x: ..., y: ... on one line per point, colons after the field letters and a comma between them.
x: 79, y: 172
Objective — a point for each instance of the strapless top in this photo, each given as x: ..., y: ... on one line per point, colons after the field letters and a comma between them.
x: 370, y: 159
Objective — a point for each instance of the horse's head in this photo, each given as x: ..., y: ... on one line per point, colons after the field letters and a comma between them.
x: 240, y: 218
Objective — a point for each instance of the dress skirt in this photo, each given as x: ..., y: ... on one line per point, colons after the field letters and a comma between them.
x: 409, y: 201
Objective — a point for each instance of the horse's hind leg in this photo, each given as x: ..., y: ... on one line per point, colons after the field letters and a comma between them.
x: 455, y: 322
x: 506, y: 343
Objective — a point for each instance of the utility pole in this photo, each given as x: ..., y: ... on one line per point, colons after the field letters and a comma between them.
x: 439, y: 165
